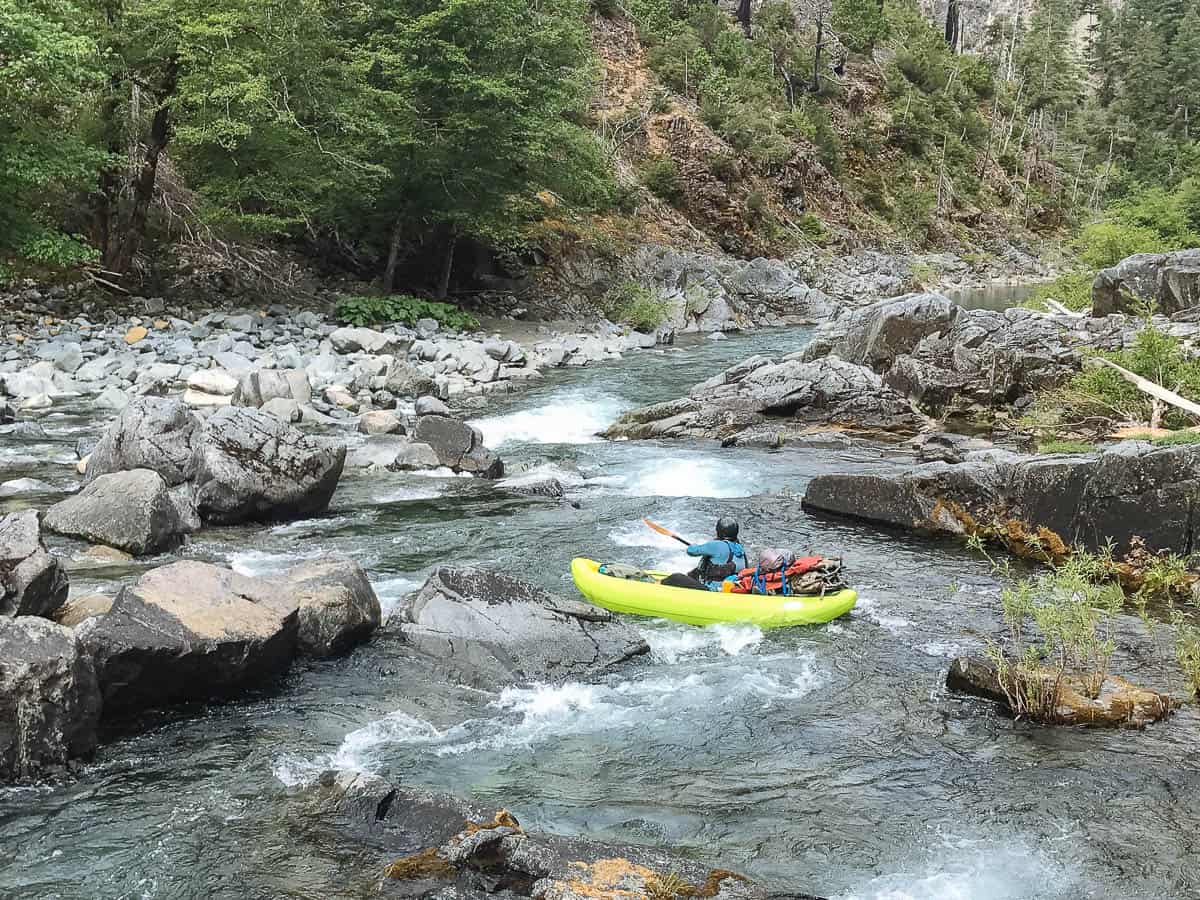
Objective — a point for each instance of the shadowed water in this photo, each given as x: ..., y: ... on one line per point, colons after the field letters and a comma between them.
x: 826, y: 759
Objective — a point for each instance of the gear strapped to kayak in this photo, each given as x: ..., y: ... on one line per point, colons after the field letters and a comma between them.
x: 782, y: 573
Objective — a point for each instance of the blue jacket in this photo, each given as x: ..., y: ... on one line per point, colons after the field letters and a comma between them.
x: 718, y: 553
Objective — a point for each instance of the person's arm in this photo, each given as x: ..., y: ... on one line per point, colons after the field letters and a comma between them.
x: 710, y: 548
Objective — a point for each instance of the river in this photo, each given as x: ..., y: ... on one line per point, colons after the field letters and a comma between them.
x: 825, y: 759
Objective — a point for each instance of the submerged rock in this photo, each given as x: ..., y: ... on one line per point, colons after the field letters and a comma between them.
x: 250, y: 466
x: 49, y: 701
x: 429, y: 844
x: 190, y: 631
x: 32, y: 581
x: 1132, y: 489
x: 78, y: 610
x: 492, y: 629
x: 132, y: 511
x: 337, y: 605
x: 1116, y: 704
x: 457, y: 445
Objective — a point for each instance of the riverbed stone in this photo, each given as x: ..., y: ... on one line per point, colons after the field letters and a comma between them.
x: 431, y: 406
x: 213, y: 381
x: 492, y: 629
x: 367, y: 340
x: 338, y: 607
x: 49, y: 700
x: 190, y: 631
x: 380, y: 421
x: 458, y: 445
x: 250, y: 466
x: 132, y: 511
x: 33, y: 582
x: 284, y: 409
x: 1170, y: 280
x: 413, y: 456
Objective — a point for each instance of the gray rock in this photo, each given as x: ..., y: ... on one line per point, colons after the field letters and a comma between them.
x: 190, y: 631
x: 1170, y: 280
x: 367, y: 340
x: 131, y: 511
x: 380, y: 422
x: 412, y: 456
x: 49, y: 701
x: 67, y: 356
x: 406, y: 380
x: 32, y: 581
x: 337, y: 605
x: 538, y: 486
x: 881, y: 332
x: 77, y: 611
x: 250, y: 466
x: 286, y: 410
x: 1130, y: 490
x: 431, y: 406
x: 151, y: 433
x: 457, y: 445
x: 491, y: 629
x: 111, y: 398
x: 213, y: 381
x: 8, y: 415
x: 261, y: 386
x: 18, y: 487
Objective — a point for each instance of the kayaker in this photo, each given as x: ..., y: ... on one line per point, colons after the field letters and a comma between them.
x: 719, y: 559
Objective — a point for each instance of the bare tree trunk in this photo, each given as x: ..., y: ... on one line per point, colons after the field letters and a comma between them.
x: 389, y: 271
x: 952, y: 26
x: 444, y: 283
x: 143, y: 188
x: 743, y: 15
x: 816, y: 76
x: 104, y: 201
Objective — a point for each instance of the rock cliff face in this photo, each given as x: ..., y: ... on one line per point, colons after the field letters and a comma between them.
x: 1170, y: 280
x: 1133, y: 489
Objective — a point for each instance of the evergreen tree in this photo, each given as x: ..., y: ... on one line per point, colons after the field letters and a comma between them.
x: 1183, y: 72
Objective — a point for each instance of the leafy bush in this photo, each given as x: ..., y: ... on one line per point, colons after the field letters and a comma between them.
x: 1074, y: 291
x: 1105, y: 244
x: 912, y: 212
x: 661, y: 176
x: 636, y: 306
x: 404, y: 309
x: 1100, y: 392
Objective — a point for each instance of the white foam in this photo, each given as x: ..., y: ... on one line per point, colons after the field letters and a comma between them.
x: 574, y: 417
x: 695, y: 477
x: 971, y: 871
x: 670, y: 643
x: 359, y: 750
x: 303, y: 525
x: 259, y: 562
x: 542, y: 472
x: 402, y: 494
x: 441, y: 472
x: 391, y: 591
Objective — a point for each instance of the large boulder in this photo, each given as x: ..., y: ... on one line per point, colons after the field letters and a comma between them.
x: 891, y: 328
x: 337, y: 605
x: 430, y: 844
x: 132, y: 511
x: 190, y: 631
x: 49, y: 701
x: 1170, y: 280
x: 32, y: 581
x: 492, y: 629
x: 260, y: 386
x: 151, y: 433
x: 250, y: 466
x: 1132, y: 489
x: 457, y: 445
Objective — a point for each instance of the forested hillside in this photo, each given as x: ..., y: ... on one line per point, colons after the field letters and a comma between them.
x: 377, y: 139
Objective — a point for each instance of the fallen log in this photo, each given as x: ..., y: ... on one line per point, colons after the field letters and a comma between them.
x: 1146, y: 386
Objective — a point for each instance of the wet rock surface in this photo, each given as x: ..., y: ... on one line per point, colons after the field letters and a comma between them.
x: 189, y: 631
x: 33, y: 582
x: 430, y: 844
x: 131, y: 511
x: 49, y: 700
x: 1115, y: 704
x: 1132, y: 489
x: 491, y: 629
x: 337, y: 605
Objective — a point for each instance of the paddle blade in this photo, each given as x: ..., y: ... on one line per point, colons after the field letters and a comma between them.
x: 654, y: 526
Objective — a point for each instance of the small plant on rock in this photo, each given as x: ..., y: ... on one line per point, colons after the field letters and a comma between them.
x: 406, y: 310
x: 632, y: 304
x: 661, y: 177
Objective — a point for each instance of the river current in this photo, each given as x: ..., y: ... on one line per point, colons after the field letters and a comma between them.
x: 827, y: 759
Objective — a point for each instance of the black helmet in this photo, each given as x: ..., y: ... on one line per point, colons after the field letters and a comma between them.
x: 727, y: 529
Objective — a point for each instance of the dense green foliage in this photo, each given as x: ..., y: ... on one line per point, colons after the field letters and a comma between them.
x: 405, y: 310
x: 1074, y: 291
x: 636, y: 306
x: 379, y: 133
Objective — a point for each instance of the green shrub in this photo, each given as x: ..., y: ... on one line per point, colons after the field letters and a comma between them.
x: 1100, y: 392
x: 1074, y: 291
x: 661, y: 177
x: 609, y: 9
x: 406, y: 310
x: 912, y: 212
x: 636, y: 306
x: 724, y: 166
x: 1105, y: 244
x: 1177, y: 439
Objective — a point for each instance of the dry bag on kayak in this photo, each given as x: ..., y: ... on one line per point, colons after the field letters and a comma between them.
x: 807, y: 575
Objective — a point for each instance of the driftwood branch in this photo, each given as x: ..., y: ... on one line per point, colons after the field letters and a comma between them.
x: 1146, y: 386
x: 1057, y: 307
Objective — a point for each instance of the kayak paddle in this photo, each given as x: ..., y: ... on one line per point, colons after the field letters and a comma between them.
x: 666, y: 531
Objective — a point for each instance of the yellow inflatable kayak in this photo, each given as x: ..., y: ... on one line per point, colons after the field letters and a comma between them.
x: 643, y: 598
